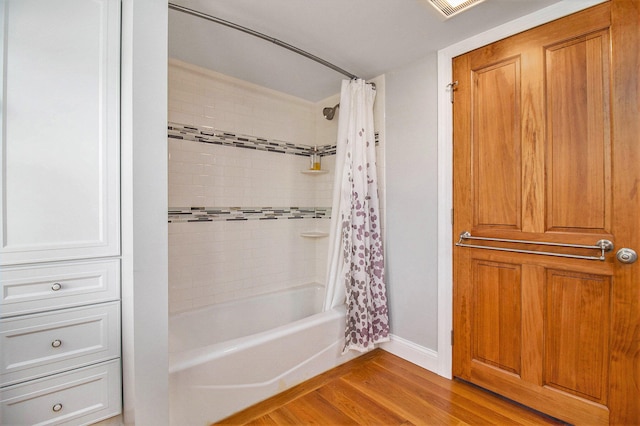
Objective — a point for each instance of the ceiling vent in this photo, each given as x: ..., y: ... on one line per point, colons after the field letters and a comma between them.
x: 449, y: 8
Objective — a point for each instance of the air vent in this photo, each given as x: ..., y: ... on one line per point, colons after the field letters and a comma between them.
x: 449, y: 8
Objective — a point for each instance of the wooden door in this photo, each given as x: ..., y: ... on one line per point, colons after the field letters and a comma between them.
x: 546, y: 149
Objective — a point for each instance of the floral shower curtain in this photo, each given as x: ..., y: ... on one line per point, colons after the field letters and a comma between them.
x: 356, y: 258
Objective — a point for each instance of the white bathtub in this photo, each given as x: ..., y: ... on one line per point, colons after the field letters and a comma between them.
x: 230, y: 356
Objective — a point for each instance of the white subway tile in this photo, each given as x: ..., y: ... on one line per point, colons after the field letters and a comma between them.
x: 180, y: 117
x: 226, y: 260
x: 179, y: 306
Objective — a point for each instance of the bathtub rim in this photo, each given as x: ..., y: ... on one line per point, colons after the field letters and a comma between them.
x: 200, y: 309
x: 196, y: 328
x: 183, y: 360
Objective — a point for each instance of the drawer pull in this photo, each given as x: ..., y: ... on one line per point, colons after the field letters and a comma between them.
x: 56, y: 286
x: 56, y: 343
x: 57, y: 408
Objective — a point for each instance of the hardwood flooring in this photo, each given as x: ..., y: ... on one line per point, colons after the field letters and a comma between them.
x: 379, y: 388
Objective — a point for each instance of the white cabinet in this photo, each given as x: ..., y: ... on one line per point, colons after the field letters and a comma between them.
x: 47, y: 343
x: 77, y: 397
x: 59, y: 211
x: 37, y: 288
x: 60, y: 130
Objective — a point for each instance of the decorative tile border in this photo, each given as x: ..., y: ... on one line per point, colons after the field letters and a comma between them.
x: 228, y: 214
x: 237, y: 140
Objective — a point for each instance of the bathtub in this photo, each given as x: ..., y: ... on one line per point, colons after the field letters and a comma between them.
x: 229, y: 356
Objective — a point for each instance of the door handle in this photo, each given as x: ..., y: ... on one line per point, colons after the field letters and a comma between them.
x: 626, y: 255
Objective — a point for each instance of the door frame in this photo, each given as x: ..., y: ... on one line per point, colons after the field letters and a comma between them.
x: 445, y: 158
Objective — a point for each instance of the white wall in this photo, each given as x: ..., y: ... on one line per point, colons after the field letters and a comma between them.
x: 412, y: 197
x: 144, y: 212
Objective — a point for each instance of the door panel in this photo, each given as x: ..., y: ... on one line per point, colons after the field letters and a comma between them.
x: 545, y: 151
x: 576, y: 336
x: 513, y: 298
x: 497, y: 130
x: 496, y: 315
x: 578, y: 173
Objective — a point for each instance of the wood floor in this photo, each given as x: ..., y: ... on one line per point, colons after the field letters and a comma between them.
x: 379, y: 388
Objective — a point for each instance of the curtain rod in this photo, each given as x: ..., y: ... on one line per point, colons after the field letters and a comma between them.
x: 262, y: 36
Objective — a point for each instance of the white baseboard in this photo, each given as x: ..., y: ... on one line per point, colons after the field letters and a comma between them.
x: 416, y: 354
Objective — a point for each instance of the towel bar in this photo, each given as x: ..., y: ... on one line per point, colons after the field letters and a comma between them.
x: 603, y: 245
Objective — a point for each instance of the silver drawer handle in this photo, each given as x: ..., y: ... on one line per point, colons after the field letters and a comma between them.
x: 56, y: 286
x: 57, y: 407
x: 56, y: 343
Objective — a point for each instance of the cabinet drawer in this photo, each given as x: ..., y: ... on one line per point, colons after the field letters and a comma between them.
x: 78, y: 397
x: 40, y: 344
x: 38, y: 288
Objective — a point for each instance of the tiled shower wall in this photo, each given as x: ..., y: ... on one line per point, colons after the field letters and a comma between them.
x: 218, y: 261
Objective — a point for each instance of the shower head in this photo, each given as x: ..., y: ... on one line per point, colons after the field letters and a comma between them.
x: 329, y: 112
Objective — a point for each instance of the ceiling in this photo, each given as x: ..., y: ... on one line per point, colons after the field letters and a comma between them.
x: 364, y: 37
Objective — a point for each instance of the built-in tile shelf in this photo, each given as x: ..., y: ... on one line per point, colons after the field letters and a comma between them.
x: 314, y: 234
x: 314, y: 172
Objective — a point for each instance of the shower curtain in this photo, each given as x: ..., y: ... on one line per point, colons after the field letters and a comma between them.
x: 356, y: 258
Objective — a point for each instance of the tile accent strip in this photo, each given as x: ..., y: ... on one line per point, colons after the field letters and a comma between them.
x: 237, y: 140
x: 220, y: 214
